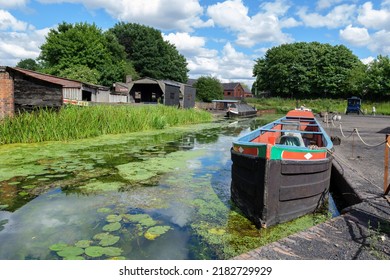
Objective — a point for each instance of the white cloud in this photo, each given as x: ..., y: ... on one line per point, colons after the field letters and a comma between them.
x: 8, y: 21
x: 15, y: 46
x: 278, y: 8
x: 325, y: 4
x: 161, y: 14
x: 339, y: 16
x: 186, y: 44
x: 371, y: 18
x: 367, y: 60
x: 9, y: 4
x: 262, y: 27
x: 380, y: 42
x: 355, y: 35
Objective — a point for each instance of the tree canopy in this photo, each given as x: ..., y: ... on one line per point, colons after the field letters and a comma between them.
x: 305, y: 70
x: 150, y: 54
x: 85, y: 47
x: 29, y: 63
x: 208, y: 88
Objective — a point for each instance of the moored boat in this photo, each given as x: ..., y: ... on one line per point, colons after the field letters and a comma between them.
x: 241, y: 110
x: 282, y: 170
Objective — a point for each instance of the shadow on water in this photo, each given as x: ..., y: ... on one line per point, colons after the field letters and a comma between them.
x: 152, y: 195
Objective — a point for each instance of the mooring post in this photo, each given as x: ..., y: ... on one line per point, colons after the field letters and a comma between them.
x: 386, y: 173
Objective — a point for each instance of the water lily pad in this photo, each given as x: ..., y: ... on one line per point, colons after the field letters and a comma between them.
x: 109, y: 240
x: 217, y: 231
x: 113, y: 218
x: 135, y: 218
x: 101, y: 235
x: 70, y: 251
x: 118, y: 258
x: 113, y: 251
x: 2, y: 223
x: 154, y: 232
x: 94, y: 251
x: 29, y: 187
x: 74, y: 258
x: 58, y: 246
x: 23, y: 193
x: 104, y: 210
x: 83, y: 243
x: 4, y: 206
x: 112, y: 227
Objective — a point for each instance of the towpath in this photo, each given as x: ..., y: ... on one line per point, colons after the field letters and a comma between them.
x: 362, y: 231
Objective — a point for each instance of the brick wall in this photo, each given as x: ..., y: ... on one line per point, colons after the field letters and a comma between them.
x: 6, y: 94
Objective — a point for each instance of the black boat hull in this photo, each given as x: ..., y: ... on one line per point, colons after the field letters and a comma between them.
x: 269, y: 192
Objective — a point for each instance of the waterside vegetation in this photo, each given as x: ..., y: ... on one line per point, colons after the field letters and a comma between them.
x: 73, y: 122
x: 283, y: 105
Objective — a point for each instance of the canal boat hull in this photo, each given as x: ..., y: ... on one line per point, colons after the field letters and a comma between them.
x: 274, y: 183
x: 241, y: 110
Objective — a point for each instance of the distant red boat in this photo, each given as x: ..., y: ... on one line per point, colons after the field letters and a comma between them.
x: 282, y: 170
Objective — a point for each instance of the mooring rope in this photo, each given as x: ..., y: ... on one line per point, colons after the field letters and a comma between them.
x: 343, y: 163
x: 355, y: 130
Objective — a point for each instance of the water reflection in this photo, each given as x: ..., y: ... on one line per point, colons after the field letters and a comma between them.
x: 147, y: 195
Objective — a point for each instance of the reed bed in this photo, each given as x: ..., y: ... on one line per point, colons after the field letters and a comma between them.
x: 283, y: 105
x: 72, y: 122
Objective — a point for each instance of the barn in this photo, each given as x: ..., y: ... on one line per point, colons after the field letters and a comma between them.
x: 170, y: 93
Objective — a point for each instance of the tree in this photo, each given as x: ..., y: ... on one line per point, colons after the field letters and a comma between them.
x: 86, y: 46
x: 150, y: 54
x: 208, y: 88
x: 29, y: 64
x: 378, y: 78
x: 306, y: 70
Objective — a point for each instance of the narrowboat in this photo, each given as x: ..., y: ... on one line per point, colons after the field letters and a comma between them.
x: 241, y: 110
x: 282, y: 170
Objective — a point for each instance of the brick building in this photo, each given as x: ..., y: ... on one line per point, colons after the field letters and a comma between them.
x: 6, y: 94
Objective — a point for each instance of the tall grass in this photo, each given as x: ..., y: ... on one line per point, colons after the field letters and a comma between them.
x: 74, y: 122
x: 283, y: 105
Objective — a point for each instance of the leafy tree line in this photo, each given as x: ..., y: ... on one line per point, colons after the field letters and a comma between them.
x: 313, y: 70
x: 84, y: 52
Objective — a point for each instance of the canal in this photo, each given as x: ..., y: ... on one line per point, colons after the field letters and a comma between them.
x: 150, y: 195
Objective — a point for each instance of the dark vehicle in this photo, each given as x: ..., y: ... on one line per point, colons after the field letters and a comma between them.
x: 353, y: 105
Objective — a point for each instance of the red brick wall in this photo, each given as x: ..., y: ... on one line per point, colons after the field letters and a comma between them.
x: 6, y: 94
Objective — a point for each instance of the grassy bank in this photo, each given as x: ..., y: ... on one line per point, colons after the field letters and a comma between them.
x: 317, y: 105
x: 73, y: 122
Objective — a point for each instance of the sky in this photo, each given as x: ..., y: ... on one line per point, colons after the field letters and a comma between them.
x: 218, y: 38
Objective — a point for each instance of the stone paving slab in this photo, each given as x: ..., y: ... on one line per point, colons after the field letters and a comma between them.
x: 362, y: 230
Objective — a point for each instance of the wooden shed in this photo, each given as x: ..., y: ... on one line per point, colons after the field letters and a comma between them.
x: 171, y: 93
x: 148, y: 90
x: 34, y: 89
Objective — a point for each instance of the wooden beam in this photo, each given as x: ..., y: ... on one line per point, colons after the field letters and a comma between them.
x: 386, y: 173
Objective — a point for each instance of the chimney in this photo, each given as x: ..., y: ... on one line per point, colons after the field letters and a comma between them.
x: 129, y: 79
x: 6, y: 94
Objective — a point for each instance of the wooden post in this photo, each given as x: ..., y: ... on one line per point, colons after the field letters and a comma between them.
x: 386, y: 175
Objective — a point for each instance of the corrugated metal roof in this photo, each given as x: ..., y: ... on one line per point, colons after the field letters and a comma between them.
x: 67, y: 83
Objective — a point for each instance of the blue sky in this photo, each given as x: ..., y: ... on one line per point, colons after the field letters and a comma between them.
x: 218, y: 38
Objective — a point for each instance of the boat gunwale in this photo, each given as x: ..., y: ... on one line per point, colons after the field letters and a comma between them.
x: 247, y: 139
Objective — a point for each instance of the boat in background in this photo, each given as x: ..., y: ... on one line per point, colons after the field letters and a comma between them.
x: 241, y: 110
x: 282, y: 170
